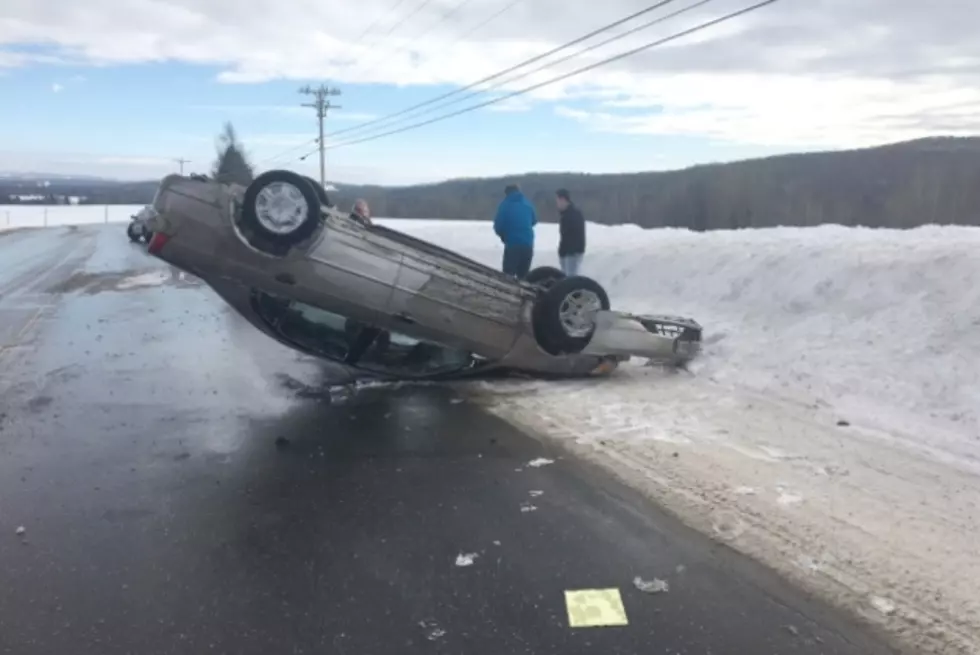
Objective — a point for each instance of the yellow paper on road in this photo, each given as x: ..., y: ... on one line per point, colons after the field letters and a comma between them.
x: 594, y: 608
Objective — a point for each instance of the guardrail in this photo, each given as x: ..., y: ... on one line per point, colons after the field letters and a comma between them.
x: 12, y: 216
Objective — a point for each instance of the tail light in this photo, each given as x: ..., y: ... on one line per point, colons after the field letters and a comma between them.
x: 157, y: 243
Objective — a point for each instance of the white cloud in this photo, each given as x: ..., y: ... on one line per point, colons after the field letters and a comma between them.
x: 820, y: 72
x: 289, y: 110
x: 56, y: 88
x: 782, y: 110
x: 14, y: 59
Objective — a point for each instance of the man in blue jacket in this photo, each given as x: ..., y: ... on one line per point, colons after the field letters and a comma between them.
x: 514, y: 224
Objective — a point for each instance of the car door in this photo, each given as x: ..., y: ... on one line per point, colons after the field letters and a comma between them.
x: 352, y: 273
x: 448, y: 303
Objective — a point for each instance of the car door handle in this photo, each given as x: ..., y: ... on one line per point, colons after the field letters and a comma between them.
x: 404, y: 318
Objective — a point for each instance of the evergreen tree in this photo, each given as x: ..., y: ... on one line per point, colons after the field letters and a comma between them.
x: 232, y: 164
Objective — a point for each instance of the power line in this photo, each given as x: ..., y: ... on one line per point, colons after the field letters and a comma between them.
x: 442, y: 19
x: 358, y: 66
x: 374, y: 23
x: 304, y: 144
x: 367, y: 30
x: 473, y: 29
x: 180, y: 162
x: 303, y: 158
x: 364, y: 70
x: 579, y: 71
x: 422, y: 6
x: 485, y: 22
x: 565, y: 46
x: 552, y: 64
x: 287, y: 151
x: 321, y: 104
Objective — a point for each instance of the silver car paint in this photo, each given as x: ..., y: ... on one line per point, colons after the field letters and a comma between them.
x: 525, y: 356
x: 386, y: 278
x: 371, y: 274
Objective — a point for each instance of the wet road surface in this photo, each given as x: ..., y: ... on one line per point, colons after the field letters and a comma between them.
x: 186, y: 485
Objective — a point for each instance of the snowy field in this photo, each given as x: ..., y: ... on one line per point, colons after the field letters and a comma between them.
x: 831, y: 428
x: 14, y: 216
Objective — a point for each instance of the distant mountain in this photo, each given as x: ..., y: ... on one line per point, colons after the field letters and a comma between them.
x: 898, y: 185
x: 901, y: 185
x: 43, y: 188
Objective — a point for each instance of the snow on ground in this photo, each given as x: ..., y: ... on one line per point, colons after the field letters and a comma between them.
x: 831, y: 428
x: 877, y: 330
x: 14, y: 216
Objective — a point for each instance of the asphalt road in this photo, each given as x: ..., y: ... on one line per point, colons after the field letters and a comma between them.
x: 186, y: 485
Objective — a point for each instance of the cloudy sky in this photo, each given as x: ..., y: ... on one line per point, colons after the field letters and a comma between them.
x: 122, y: 88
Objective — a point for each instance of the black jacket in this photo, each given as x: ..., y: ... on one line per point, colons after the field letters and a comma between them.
x: 571, y: 229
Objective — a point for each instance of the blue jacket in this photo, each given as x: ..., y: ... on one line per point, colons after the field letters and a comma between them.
x: 515, y: 220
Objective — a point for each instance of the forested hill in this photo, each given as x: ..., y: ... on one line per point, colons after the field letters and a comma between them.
x: 934, y: 180
x: 901, y: 185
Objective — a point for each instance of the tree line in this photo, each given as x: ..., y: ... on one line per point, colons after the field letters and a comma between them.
x: 901, y: 185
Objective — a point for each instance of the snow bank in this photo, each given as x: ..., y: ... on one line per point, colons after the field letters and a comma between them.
x: 832, y: 427
x: 882, y: 325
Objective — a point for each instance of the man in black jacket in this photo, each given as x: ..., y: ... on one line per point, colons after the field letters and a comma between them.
x: 571, y: 230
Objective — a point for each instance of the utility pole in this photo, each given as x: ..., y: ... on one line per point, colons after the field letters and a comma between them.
x: 321, y: 104
x: 181, y: 161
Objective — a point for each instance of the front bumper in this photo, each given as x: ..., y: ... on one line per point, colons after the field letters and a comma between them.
x: 667, y: 339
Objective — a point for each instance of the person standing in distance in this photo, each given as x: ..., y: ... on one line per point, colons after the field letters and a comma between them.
x: 571, y: 230
x: 514, y: 224
x: 361, y: 211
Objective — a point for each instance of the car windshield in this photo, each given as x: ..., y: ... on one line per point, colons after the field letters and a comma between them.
x: 343, y: 339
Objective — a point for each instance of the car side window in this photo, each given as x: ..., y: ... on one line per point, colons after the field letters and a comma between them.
x: 339, y: 337
x: 400, y: 354
x: 316, y: 329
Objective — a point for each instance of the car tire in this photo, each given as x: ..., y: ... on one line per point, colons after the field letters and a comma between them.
x: 321, y: 193
x: 544, y: 276
x: 147, y: 236
x: 131, y: 232
x: 558, y: 326
x: 281, y: 207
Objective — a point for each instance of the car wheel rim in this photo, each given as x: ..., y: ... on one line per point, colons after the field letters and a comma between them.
x: 281, y: 207
x: 577, y: 312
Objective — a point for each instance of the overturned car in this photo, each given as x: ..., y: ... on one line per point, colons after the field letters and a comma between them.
x: 372, y: 298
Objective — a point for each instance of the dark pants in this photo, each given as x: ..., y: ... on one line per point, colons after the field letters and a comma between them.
x: 517, y: 260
